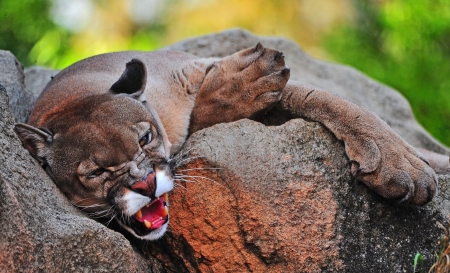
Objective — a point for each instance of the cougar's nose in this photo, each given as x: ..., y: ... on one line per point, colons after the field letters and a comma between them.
x: 146, y: 186
x: 134, y: 171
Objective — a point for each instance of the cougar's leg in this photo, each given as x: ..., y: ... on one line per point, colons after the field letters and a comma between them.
x: 379, y: 157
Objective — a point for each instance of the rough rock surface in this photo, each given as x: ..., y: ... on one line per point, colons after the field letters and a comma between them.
x: 255, y: 199
x: 40, y: 230
x: 281, y: 199
x: 36, y: 78
x: 12, y: 76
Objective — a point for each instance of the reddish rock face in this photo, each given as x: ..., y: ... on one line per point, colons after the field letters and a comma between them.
x: 255, y: 204
x: 245, y: 227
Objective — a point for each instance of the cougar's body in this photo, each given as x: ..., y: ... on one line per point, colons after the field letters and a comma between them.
x: 104, y: 128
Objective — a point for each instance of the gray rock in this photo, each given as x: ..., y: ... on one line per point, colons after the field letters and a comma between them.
x: 40, y: 230
x: 36, y: 78
x: 12, y: 78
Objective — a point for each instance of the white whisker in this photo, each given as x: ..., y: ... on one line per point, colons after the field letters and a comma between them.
x: 192, y: 169
x: 197, y: 176
x: 176, y: 185
x: 179, y: 163
x: 90, y: 206
x: 112, y: 217
x: 188, y: 151
x: 187, y: 178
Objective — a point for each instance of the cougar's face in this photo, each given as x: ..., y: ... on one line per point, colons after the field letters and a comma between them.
x: 109, y: 155
x: 108, y: 151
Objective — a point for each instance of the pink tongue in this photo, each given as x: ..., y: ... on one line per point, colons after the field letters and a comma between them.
x: 154, y: 214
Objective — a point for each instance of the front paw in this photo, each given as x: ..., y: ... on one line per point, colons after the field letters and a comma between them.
x: 264, y: 74
x: 391, y: 167
x: 380, y: 158
x: 245, y: 83
x: 240, y: 86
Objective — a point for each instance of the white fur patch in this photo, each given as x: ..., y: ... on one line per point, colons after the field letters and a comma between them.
x: 157, y: 233
x: 134, y: 201
x: 154, y: 235
x: 163, y: 183
x: 142, y: 97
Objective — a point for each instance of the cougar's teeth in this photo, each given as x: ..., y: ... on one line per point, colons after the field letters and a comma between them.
x: 165, y: 212
x: 147, y: 224
x: 165, y: 196
x: 148, y: 205
x: 139, y: 214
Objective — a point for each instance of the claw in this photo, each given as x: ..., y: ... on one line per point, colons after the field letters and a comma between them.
x: 430, y: 193
x: 285, y: 72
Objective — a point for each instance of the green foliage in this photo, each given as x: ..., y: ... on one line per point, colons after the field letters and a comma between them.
x: 405, y: 44
x: 28, y: 31
x: 25, y: 25
x: 418, y: 259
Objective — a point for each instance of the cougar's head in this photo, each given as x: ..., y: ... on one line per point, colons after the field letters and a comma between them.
x: 109, y: 154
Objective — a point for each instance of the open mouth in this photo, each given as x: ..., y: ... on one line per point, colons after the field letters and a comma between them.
x: 151, y: 216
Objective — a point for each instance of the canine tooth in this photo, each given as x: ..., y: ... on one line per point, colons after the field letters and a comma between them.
x: 139, y: 214
x: 147, y: 224
x: 165, y: 196
x: 148, y: 205
x: 165, y: 212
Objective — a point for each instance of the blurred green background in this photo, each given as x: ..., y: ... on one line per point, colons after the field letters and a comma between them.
x: 402, y: 43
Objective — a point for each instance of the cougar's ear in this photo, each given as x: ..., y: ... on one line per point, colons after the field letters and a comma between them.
x: 35, y: 140
x: 132, y: 81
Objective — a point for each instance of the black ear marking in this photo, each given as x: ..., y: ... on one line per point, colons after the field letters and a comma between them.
x: 35, y: 140
x: 132, y: 80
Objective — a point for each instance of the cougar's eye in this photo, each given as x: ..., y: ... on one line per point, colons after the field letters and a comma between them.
x: 96, y: 173
x: 145, y: 139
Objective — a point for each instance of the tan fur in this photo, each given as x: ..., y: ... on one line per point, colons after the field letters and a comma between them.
x: 185, y: 94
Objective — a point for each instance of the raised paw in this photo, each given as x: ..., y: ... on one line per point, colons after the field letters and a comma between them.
x: 262, y: 71
x: 240, y: 86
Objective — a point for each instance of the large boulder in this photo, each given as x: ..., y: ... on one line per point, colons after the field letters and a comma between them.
x: 40, y: 230
x: 281, y: 199
x: 249, y: 198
